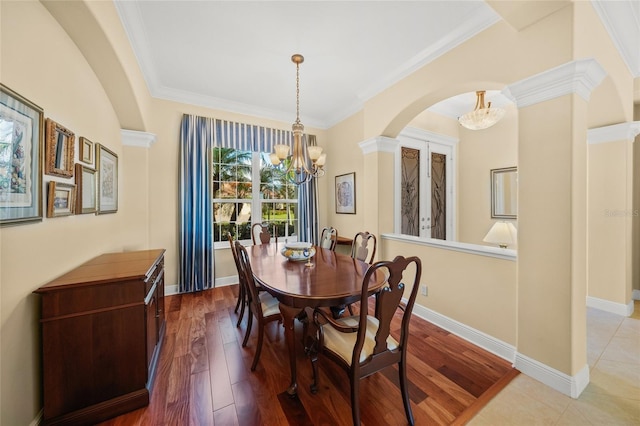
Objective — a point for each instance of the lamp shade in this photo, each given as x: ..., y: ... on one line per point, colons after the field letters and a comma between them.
x: 502, y: 233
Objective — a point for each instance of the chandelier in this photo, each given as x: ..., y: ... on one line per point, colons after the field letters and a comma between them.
x: 481, y: 117
x: 306, y: 162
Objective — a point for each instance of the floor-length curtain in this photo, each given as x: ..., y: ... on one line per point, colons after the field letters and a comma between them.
x: 196, y: 211
x: 308, y: 208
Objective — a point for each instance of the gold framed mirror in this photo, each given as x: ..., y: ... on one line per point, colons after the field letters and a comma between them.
x: 60, y: 148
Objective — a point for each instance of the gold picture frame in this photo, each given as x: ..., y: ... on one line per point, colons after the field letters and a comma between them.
x: 86, y: 184
x: 61, y: 199
x: 86, y: 150
x: 60, y: 148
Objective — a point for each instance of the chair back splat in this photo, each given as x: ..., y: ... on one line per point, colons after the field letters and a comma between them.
x: 328, y: 238
x: 363, y: 344
x: 260, y: 234
x: 363, y: 247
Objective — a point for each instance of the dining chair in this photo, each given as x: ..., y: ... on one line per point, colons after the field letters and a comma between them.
x: 363, y: 247
x: 328, y: 238
x: 262, y: 305
x: 260, y: 234
x: 362, y: 344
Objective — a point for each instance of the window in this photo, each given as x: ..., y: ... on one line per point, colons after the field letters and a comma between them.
x: 237, y: 201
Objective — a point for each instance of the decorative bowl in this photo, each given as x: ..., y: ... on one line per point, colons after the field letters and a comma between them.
x: 298, y: 251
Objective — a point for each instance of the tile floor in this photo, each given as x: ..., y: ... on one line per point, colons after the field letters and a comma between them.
x: 611, y: 398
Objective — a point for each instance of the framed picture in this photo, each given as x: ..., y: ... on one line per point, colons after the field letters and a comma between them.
x: 21, y: 141
x: 86, y: 150
x: 86, y: 200
x: 346, y: 193
x: 61, y: 199
x: 107, y: 166
x: 60, y: 148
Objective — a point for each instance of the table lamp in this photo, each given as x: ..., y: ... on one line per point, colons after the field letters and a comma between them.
x: 502, y: 233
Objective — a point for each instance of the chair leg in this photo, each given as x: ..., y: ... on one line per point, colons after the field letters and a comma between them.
x: 240, y: 298
x: 402, y: 371
x: 244, y: 304
x: 355, y: 399
x: 313, y: 356
x: 249, y: 324
x: 256, y: 357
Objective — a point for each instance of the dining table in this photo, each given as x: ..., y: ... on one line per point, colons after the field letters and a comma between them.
x: 327, y: 279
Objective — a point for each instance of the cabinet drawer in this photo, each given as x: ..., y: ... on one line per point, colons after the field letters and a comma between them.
x: 153, y: 276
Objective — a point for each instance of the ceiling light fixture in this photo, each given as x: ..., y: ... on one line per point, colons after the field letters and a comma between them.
x: 305, y: 162
x: 481, y: 117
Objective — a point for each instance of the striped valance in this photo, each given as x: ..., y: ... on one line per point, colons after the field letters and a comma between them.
x: 246, y: 137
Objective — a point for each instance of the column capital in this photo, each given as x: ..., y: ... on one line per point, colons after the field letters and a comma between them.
x: 615, y: 132
x: 136, y: 138
x: 579, y: 76
x: 378, y: 144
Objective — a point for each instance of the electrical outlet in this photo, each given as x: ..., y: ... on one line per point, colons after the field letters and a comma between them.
x: 423, y: 290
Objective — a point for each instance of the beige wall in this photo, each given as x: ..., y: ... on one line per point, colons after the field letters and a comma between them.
x: 464, y: 286
x: 478, y: 153
x: 610, y: 215
x: 40, y: 62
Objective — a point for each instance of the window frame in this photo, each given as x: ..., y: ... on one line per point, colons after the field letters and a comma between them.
x: 257, y: 200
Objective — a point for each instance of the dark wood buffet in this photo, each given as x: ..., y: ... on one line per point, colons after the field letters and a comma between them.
x: 102, y: 330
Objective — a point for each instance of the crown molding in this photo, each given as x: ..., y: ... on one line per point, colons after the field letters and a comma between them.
x: 580, y: 77
x: 613, y: 133
x: 135, y: 138
x: 621, y: 19
x: 426, y: 135
x: 378, y: 144
x: 482, y: 19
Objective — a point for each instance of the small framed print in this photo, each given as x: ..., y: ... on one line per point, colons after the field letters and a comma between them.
x: 61, y: 199
x: 86, y: 150
x: 86, y: 200
x: 346, y: 193
x: 107, y: 166
x: 60, y: 148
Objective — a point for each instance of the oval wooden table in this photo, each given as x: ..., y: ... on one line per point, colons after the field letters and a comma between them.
x: 334, y: 279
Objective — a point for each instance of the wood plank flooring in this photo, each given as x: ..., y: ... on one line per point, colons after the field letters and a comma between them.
x: 204, y: 377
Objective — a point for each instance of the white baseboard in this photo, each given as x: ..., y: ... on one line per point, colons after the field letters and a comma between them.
x: 478, y: 338
x: 225, y: 281
x: 611, y: 307
x: 219, y: 282
x: 569, y: 385
x: 635, y: 295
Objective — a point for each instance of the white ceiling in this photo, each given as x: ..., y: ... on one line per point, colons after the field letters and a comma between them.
x: 235, y: 55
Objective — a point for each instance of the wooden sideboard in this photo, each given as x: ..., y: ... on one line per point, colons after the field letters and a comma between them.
x: 102, y: 330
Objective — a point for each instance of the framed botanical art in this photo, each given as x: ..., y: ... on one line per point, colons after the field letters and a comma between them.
x: 86, y: 200
x: 346, y: 193
x: 107, y: 167
x: 61, y: 199
x: 86, y: 150
x: 21, y: 140
x: 60, y: 148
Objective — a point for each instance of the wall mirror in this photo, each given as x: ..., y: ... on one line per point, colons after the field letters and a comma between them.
x: 60, y: 149
x: 504, y: 193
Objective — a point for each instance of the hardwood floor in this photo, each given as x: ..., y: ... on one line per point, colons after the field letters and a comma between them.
x: 204, y: 376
